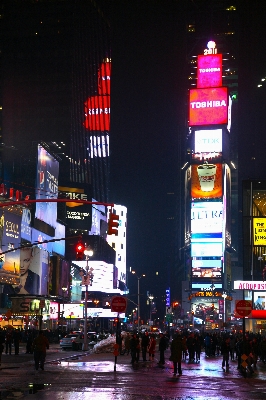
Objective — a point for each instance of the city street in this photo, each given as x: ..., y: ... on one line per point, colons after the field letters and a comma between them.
x: 78, y: 375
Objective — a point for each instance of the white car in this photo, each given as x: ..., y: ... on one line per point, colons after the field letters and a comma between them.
x: 72, y: 341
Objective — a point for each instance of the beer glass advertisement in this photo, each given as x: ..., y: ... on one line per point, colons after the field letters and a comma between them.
x: 208, y: 106
x: 10, y: 226
x: 46, y: 186
x: 206, y: 181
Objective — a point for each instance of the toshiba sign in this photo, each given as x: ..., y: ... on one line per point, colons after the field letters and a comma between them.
x: 208, y: 106
x: 209, y: 71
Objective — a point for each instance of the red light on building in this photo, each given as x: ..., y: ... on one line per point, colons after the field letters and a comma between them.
x: 208, y: 106
x: 97, y: 113
x: 209, y: 71
x: 104, y: 78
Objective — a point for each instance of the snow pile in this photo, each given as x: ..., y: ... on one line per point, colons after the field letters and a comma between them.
x: 105, y: 345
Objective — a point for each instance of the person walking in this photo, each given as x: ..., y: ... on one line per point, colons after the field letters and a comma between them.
x: 17, y: 340
x: 127, y: 343
x: 162, y: 347
x: 177, y: 347
x: 39, y: 345
x: 8, y: 340
x: 152, y: 347
x: 225, y: 350
x: 144, y: 345
x: 134, y: 348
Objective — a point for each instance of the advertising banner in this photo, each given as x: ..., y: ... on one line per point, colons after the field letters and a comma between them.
x: 206, y: 181
x: 208, y: 106
x: 206, y: 219
x: 204, y: 269
x: 259, y: 231
x: 209, y: 71
x: 208, y: 144
x: 26, y: 224
x: 104, y: 78
x: 99, y: 146
x: 77, y: 215
x: 46, y: 186
x: 10, y: 226
x: 97, y: 113
x: 206, y: 249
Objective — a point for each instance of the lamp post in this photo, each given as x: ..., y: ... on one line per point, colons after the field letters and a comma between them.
x: 64, y: 289
x: 151, y: 297
x: 88, y: 253
x: 138, y: 277
x: 224, y: 295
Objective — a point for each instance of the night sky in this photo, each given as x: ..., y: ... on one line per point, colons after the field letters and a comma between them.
x: 149, y: 80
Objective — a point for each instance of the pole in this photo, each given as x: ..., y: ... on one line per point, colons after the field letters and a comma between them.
x: 138, y: 306
x: 85, y: 344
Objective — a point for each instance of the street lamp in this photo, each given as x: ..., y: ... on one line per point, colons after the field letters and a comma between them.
x: 87, y: 276
x: 224, y: 295
x: 138, y: 277
x: 151, y: 297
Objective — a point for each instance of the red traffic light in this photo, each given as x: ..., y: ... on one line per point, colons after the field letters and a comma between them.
x: 80, y: 251
x: 113, y: 224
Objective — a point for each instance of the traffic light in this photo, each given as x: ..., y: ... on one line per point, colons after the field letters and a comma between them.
x: 113, y: 224
x: 80, y: 251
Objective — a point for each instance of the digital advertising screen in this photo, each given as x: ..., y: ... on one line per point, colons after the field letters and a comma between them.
x: 77, y: 215
x: 26, y: 224
x: 208, y: 143
x: 208, y: 106
x: 10, y: 227
x: 259, y: 300
x: 206, y: 249
x: 97, y: 113
x: 206, y: 269
x: 259, y: 231
x: 46, y: 186
x: 206, y: 220
x: 206, y: 181
x: 99, y: 146
x: 209, y: 71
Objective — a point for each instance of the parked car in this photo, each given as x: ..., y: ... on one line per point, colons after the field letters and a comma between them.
x: 72, y: 341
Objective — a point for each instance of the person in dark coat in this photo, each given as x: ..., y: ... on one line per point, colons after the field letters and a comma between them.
x: 162, y: 347
x: 134, y: 348
x: 39, y: 345
x: 8, y: 340
x: 144, y: 345
x: 17, y: 340
x: 225, y: 350
x: 177, y: 347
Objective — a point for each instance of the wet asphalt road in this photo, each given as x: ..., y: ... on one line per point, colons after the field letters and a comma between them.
x: 78, y: 375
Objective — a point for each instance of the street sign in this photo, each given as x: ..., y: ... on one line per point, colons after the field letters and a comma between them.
x: 118, y: 304
x: 243, y: 308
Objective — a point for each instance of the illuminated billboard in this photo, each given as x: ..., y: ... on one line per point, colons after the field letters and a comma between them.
x: 206, y: 249
x: 209, y: 71
x: 208, y: 106
x: 46, y: 186
x: 259, y: 231
x: 204, y: 269
x: 97, y: 113
x: 206, y: 181
x: 206, y: 220
x: 99, y: 146
x: 208, y: 142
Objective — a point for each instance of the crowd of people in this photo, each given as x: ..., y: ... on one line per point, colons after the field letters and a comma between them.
x: 189, y: 346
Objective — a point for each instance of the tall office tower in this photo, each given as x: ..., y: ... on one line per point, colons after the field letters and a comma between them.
x: 215, y: 24
x: 55, y: 88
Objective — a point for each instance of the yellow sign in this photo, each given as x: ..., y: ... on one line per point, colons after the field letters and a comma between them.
x: 259, y: 231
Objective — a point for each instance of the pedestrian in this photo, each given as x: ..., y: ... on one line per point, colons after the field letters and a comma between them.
x: 207, y: 343
x: 191, y: 347
x: 127, y: 343
x: 162, y: 347
x: 177, y: 347
x: 144, y: 345
x: 263, y: 350
x: 2, y: 341
x: 134, y: 345
x: 197, y: 345
x: 152, y: 347
x: 232, y: 347
x: 225, y: 350
x: 8, y: 340
x: 29, y: 340
x: 16, y: 340
x: 39, y: 345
